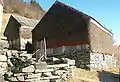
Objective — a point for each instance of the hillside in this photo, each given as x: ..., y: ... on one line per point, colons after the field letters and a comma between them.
x: 32, y: 10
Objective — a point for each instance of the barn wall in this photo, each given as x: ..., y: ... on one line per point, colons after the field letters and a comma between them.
x: 100, y: 41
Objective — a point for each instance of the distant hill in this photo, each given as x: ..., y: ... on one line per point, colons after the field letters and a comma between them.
x: 32, y: 10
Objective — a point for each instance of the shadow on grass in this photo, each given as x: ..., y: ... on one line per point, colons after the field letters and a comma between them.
x: 105, y: 76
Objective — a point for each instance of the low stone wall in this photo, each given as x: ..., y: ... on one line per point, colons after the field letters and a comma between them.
x: 22, y: 67
x: 102, y: 61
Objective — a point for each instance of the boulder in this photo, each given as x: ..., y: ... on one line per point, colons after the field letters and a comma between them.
x: 28, y: 69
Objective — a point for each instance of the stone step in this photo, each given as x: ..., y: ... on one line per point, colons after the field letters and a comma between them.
x: 51, y: 77
x: 45, y: 70
x: 58, y: 66
x: 43, y: 78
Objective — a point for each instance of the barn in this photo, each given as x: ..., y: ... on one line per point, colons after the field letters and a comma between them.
x: 72, y: 32
x: 18, y: 31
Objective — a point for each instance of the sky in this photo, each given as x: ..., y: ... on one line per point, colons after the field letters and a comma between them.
x: 107, y: 12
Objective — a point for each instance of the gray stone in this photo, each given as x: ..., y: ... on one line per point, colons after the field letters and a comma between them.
x: 9, y: 73
x: 59, y: 72
x: 44, y: 80
x: 3, y: 64
x: 56, y: 80
x: 41, y: 65
x: 28, y: 56
x: 9, y: 54
x: 13, y: 79
x: 70, y: 62
x: 32, y: 80
x: 64, y: 77
x: 2, y: 71
x: 47, y: 74
x: 28, y: 69
x: 44, y: 70
x: 20, y: 78
x: 2, y: 78
x: 55, y: 59
x: 34, y: 75
x: 10, y: 63
x: 3, y: 58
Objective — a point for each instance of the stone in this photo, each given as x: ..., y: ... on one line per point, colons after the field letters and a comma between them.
x: 58, y: 66
x: 20, y: 78
x: 9, y: 73
x: 64, y: 77
x: 2, y: 78
x: 44, y: 80
x: 41, y: 65
x: 59, y: 72
x: 70, y: 62
x: 19, y: 74
x: 3, y: 58
x: 2, y: 71
x: 44, y: 70
x: 13, y: 79
x: 51, y: 77
x: 55, y: 59
x: 3, y: 64
x: 9, y: 62
x: 9, y: 54
x: 32, y: 80
x: 47, y: 74
x: 28, y: 56
x: 30, y: 68
x: 34, y: 75
x: 55, y: 80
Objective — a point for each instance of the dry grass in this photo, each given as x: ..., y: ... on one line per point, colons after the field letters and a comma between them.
x: 81, y: 75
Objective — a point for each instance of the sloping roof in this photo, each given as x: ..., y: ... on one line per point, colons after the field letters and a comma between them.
x: 26, y: 21
x: 73, y: 10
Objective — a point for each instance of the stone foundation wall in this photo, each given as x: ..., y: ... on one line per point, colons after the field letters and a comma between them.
x: 102, y: 61
x: 79, y: 53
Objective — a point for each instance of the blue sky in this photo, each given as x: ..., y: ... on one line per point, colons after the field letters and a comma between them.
x: 107, y: 12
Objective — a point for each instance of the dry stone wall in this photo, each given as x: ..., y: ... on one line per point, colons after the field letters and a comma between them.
x: 102, y: 61
x: 20, y: 66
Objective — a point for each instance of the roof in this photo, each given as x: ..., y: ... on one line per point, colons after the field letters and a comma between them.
x: 26, y: 21
x: 73, y: 10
